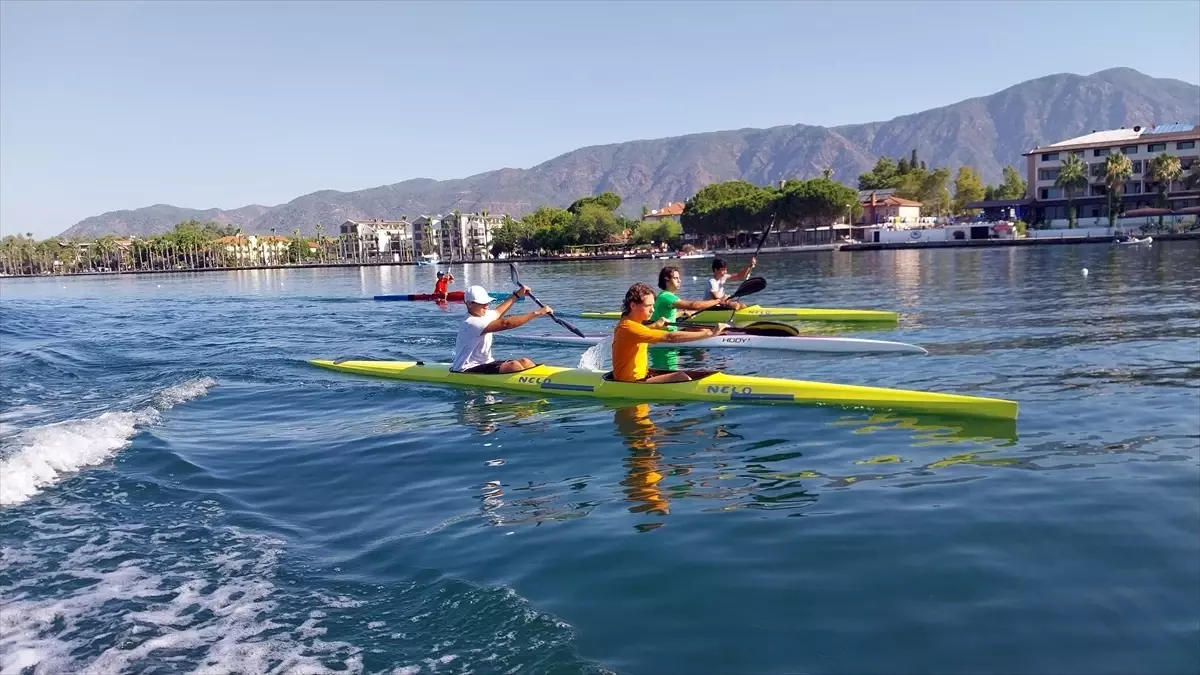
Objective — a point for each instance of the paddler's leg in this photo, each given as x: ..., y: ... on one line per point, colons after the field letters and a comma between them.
x: 667, y: 378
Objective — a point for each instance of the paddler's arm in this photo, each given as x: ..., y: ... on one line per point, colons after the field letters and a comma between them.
x: 693, y: 335
x: 741, y: 276
x: 697, y: 305
x: 510, y: 322
x: 503, y: 307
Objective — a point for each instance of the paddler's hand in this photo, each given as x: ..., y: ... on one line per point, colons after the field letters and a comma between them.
x: 522, y: 292
x: 753, y: 262
x: 544, y: 311
x: 717, y: 330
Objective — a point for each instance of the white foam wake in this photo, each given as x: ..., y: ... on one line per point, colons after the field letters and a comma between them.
x: 43, y: 455
x: 597, y: 357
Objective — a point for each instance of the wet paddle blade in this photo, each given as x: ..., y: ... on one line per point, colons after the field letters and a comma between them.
x: 751, y: 285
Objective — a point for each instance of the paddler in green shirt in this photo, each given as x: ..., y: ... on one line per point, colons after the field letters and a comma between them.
x: 667, y: 302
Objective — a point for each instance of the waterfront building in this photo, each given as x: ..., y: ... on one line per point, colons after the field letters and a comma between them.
x: 884, y: 206
x: 1045, y: 203
x: 377, y: 238
x: 671, y: 210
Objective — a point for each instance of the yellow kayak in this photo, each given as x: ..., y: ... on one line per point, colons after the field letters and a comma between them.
x: 716, y: 387
x: 752, y: 313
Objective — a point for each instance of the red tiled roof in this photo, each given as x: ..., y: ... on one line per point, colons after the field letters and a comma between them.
x: 890, y: 200
x: 671, y: 209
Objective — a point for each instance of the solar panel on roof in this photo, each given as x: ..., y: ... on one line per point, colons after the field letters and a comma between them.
x: 1168, y: 129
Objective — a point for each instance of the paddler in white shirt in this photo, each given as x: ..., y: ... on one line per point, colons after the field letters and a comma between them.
x: 720, y: 274
x: 473, y: 345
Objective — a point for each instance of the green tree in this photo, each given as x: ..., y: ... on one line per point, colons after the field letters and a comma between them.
x: 1191, y: 181
x: 1162, y: 170
x: 722, y: 208
x: 1117, y: 170
x: 815, y: 203
x: 934, y: 193
x: 656, y: 231
x: 548, y: 229
x: 882, y: 176
x: 968, y: 187
x: 595, y: 224
x: 1013, y: 186
x: 1073, y: 179
x: 610, y: 201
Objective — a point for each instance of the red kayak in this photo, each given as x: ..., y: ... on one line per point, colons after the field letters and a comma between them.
x: 452, y: 296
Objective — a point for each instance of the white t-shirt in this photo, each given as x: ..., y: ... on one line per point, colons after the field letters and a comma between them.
x: 716, y: 287
x: 472, y: 347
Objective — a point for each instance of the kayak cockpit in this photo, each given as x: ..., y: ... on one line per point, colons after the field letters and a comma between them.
x: 696, y: 375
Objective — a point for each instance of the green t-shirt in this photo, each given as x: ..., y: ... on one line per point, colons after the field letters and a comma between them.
x: 664, y: 307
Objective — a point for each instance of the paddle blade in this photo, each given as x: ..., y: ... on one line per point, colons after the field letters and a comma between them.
x: 751, y: 285
x: 514, y: 274
x: 568, y: 326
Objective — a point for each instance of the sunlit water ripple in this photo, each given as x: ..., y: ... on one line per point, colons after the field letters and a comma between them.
x: 179, y: 491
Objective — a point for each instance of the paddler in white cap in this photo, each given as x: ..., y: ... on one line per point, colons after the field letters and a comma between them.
x: 473, y: 346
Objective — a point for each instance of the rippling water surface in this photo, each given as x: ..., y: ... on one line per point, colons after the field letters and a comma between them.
x: 180, y: 492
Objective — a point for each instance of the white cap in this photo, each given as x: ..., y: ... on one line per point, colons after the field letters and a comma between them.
x: 478, y: 295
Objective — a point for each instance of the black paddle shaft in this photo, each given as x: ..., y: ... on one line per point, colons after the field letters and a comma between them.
x: 516, y: 279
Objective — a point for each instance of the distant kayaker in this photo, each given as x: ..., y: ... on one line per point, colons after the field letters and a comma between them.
x: 720, y: 274
x: 444, y: 279
x: 667, y: 302
x: 630, y: 355
x: 473, y: 345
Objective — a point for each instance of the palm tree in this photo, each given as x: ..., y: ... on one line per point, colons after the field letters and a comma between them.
x: 1117, y: 170
x: 827, y: 174
x: 1072, y: 177
x: 1162, y: 170
x: 320, y: 245
x: 1192, y: 180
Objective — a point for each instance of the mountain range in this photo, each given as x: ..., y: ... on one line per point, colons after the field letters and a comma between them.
x: 985, y: 133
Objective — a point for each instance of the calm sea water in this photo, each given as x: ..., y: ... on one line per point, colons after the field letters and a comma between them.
x: 180, y: 492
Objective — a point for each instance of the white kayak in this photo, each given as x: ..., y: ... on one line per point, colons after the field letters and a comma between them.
x: 1132, y: 241
x: 795, y: 343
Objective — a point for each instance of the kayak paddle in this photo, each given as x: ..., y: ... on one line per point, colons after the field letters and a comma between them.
x: 763, y: 237
x: 516, y: 279
x: 751, y: 285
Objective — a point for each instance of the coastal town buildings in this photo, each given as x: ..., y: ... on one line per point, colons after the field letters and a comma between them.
x: 1047, y: 204
x: 671, y: 210
x: 884, y: 206
x: 376, y: 238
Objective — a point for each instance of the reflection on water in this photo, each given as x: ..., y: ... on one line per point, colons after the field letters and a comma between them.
x: 643, y: 462
x: 676, y: 457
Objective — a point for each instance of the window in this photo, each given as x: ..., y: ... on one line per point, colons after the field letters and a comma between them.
x: 1156, y: 147
x: 1050, y: 157
x: 1052, y: 193
x: 1185, y: 145
x: 1099, y: 152
x: 1098, y: 191
x: 1185, y: 163
x: 1096, y: 170
x: 1129, y: 150
x: 1137, y: 166
x: 1078, y: 153
x: 1132, y: 188
x: 1048, y: 174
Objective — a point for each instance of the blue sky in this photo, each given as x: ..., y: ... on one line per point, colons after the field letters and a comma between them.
x: 109, y: 105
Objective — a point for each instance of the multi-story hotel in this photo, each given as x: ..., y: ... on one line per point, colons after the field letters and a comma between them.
x: 1047, y: 204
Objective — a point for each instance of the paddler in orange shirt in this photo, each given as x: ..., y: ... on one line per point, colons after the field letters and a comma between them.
x: 444, y: 279
x: 630, y: 355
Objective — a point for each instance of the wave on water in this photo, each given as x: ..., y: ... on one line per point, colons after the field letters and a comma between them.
x: 41, y: 456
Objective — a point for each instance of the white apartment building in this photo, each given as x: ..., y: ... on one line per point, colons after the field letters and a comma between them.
x: 1046, y: 203
x: 468, y: 236
x: 388, y: 239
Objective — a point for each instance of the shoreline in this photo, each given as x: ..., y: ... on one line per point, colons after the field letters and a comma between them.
x: 814, y: 248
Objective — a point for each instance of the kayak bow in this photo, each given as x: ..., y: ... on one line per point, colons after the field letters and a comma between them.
x: 717, y: 387
x: 757, y: 313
